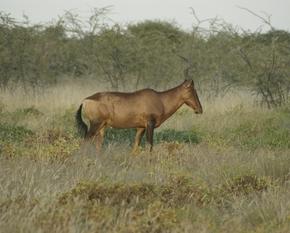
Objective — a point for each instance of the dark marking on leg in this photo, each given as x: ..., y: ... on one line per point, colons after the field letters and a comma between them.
x: 150, y: 131
x: 139, y: 134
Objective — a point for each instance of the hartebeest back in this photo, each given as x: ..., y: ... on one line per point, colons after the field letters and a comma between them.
x: 144, y: 110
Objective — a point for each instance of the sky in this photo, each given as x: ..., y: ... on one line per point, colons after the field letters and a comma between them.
x: 128, y: 11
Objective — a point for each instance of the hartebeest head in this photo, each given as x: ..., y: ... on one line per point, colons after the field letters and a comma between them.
x: 190, y: 96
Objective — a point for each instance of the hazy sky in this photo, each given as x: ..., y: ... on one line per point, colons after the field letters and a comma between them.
x: 125, y: 11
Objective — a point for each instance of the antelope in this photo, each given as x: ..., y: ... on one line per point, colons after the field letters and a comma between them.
x: 144, y: 110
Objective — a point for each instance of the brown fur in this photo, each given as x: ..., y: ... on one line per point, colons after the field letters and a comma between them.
x: 143, y: 109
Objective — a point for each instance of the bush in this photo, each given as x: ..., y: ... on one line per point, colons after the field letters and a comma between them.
x: 168, y: 135
x: 148, y: 52
x: 250, y: 130
x: 12, y: 133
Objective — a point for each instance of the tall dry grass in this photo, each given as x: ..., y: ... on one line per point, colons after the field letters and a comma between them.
x: 234, y: 178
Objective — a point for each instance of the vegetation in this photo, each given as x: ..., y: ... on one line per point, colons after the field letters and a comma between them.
x: 224, y: 171
x: 227, y: 170
x: 156, y: 52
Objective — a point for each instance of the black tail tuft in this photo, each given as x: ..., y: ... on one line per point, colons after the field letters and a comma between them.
x: 82, y: 127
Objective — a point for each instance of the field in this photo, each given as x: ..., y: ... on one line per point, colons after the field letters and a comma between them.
x: 227, y: 170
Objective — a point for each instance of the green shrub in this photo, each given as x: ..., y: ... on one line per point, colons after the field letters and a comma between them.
x: 250, y: 130
x: 168, y: 135
x: 126, y: 136
x: 20, y: 114
x: 29, y: 111
x: 13, y: 133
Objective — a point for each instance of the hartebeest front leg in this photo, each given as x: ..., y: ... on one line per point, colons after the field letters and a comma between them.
x: 139, y: 134
x: 149, y: 132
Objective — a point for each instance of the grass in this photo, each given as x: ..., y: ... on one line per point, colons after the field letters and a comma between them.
x: 227, y: 170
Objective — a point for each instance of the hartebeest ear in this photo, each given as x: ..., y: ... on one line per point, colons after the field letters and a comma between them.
x: 188, y: 83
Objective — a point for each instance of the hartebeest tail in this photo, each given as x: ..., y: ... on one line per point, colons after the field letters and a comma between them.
x: 81, y: 126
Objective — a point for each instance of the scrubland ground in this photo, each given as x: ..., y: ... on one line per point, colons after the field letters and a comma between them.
x: 227, y: 170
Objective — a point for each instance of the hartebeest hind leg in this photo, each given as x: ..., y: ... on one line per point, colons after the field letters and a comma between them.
x: 149, y: 132
x: 100, y: 139
x: 92, y: 131
x: 139, y: 134
x: 96, y: 131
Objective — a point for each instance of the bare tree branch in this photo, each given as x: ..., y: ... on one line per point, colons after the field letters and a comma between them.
x: 197, y: 19
x: 265, y: 20
x: 245, y: 57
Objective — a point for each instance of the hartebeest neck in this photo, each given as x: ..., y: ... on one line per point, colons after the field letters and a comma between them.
x: 172, y: 100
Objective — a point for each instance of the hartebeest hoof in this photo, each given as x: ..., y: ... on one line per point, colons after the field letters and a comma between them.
x: 136, y: 151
